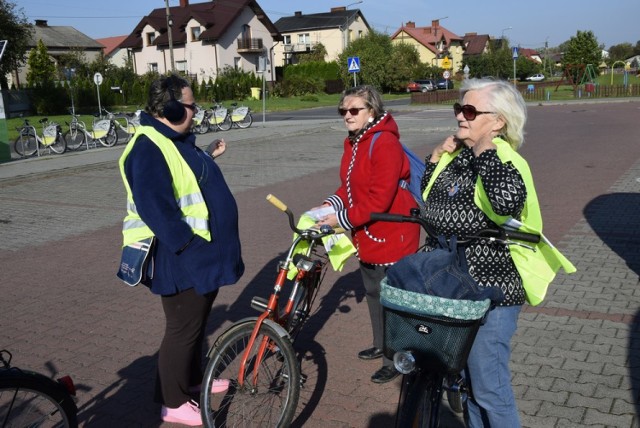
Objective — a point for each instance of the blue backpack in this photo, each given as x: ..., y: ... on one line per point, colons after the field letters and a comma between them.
x: 417, y: 172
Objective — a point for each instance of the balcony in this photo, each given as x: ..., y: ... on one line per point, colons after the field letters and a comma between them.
x: 250, y: 45
x: 299, y: 47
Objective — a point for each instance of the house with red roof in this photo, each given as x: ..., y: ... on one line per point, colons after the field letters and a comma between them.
x: 112, y: 51
x: 435, y: 44
x: 201, y: 39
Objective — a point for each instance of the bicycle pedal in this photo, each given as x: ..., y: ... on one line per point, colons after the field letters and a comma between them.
x: 259, y: 303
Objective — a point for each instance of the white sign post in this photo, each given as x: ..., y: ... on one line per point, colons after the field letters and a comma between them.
x: 515, y: 57
x: 97, y: 79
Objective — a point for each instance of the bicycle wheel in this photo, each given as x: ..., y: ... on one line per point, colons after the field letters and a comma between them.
x: 75, y: 138
x: 421, y: 405
x: 59, y: 146
x: 29, y: 399
x: 202, y: 127
x: 245, y: 122
x: 110, y: 139
x: 269, y: 394
x: 26, y: 143
x: 456, y: 393
x: 226, y: 124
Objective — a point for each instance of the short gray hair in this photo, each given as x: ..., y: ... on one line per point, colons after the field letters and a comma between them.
x: 506, y: 101
x: 369, y: 94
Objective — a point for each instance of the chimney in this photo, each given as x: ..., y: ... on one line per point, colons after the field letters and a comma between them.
x: 338, y: 9
x: 410, y: 24
x: 435, y: 24
x: 41, y: 23
x: 184, y: 3
x: 298, y: 13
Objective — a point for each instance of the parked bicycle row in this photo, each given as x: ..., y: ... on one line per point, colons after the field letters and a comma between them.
x: 108, y: 129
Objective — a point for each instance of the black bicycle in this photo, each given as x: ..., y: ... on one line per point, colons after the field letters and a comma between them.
x: 430, y: 346
x: 30, y: 399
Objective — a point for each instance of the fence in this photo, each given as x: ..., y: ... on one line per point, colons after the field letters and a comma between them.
x: 545, y: 91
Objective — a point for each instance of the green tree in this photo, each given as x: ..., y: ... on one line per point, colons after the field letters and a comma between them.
x: 582, y: 50
x: 620, y: 52
x: 318, y: 53
x: 403, y: 66
x: 498, y: 62
x: 42, y: 69
x: 15, y: 29
x: 374, y: 51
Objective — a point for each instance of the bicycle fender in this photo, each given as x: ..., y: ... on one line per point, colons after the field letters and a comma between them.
x: 280, y: 331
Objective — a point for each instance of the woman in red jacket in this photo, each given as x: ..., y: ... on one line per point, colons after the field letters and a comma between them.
x: 370, y: 182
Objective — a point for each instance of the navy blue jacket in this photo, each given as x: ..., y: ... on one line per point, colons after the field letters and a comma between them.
x: 184, y: 260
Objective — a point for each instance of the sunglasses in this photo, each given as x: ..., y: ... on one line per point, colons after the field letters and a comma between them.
x: 193, y: 107
x: 468, y: 111
x: 353, y: 110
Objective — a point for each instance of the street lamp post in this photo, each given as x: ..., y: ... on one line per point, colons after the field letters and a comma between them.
x: 503, y: 30
x: 169, y: 25
x: 346, y: 23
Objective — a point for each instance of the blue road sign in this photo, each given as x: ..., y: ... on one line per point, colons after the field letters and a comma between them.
x: 515, y: 52
x: 353, y: 63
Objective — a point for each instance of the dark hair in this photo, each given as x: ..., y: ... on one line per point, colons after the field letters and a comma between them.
x: 163, y: 90
x: 370, y: 96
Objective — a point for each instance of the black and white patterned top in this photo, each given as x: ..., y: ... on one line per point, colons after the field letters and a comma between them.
x: 451, y: 211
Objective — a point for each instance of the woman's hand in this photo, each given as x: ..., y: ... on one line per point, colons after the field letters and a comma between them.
x: 217, y: 147
x: 449, y: 145
x: 330, y: 220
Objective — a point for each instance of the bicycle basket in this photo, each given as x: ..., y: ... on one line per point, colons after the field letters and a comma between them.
x: 218, y: 116
x: 239, y: 113
x: 440, y: 330
x: 101, y: 127
x: 197, y: 118
x: 50, y: 134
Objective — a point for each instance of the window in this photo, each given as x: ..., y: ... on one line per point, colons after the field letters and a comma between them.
x: 153, y: 67
x: 287, y: 40
x: 195, y: 33
x: 181, y: 66
x: 237, y: 62
x: 151, y: 37
x: 246, y: 32
x: 304, y: 39
x: 360, y: 34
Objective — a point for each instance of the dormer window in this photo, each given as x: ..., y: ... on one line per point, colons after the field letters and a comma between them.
x: 151, y: 37
x: 195, y: 34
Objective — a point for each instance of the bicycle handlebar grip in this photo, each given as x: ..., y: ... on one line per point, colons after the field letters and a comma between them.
x: 396, y: 218
x: 276, y: 202
x: 522, y: 236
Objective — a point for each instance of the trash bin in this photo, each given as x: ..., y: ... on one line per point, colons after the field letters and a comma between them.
x: 255, y: 93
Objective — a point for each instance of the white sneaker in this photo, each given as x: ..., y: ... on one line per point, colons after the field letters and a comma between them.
x: 187, y: 414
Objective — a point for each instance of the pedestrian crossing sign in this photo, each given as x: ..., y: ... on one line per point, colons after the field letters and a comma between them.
x: 353, y: 63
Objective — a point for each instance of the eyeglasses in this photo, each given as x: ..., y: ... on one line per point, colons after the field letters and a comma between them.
x: 468, y: 111
x: 193, y: 107
x: 353, y: 110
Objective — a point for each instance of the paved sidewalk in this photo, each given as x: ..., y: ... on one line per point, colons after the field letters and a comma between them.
x: 576, y: 357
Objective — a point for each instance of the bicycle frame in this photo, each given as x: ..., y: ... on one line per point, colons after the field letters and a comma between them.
x: 308, y: 271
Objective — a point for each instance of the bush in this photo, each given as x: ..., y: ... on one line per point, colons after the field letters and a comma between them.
x: 299, y: 85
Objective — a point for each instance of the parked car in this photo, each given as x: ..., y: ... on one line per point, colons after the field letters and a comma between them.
x: 536, y: 78
x: 444, y: 84
x: 421, y: 85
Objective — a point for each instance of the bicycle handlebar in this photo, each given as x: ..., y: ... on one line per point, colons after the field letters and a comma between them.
x: 500, y: 233
x: 317, y: 233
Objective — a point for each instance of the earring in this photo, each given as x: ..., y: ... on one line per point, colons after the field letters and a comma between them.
x: 370, y: 120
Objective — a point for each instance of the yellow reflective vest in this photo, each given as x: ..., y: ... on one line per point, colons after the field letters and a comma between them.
x: 536, y: 268
x: 185, y: 187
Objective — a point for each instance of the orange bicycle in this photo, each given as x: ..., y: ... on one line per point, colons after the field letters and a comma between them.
x: 253, y: 377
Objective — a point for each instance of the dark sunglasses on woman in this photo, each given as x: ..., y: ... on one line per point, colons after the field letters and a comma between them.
x: 468, y: 111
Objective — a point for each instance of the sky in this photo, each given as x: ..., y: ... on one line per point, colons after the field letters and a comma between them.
x: 526, y: 24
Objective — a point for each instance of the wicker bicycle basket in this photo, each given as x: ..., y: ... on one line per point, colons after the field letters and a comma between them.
x: 440, y: 330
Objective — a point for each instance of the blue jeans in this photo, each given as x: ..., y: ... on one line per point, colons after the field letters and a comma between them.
x: 493, y: 403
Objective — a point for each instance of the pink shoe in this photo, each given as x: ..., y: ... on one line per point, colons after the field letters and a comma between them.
x: 217, y: 386
x: 187, y: 414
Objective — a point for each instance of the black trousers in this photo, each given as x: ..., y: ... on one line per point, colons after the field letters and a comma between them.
x: 180, y: 354
x: 372, y: 275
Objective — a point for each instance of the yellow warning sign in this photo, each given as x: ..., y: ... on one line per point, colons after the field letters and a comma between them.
x: 446, y: 62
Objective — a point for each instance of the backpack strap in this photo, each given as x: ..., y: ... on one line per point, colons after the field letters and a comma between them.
x: 402, y: 183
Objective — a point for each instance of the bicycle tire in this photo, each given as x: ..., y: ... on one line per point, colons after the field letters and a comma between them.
x: 75, y: 138
x: 456, y: 396
x: 31, y: 399
x: 272, y: 402
x: 127, y: 130
x: 202, y: 127
x: 421, y: 405
x: 26, y: 144
x: 226, y: 124
x: 245, y: 122
x: 110, y: 139
x: 59, y: 146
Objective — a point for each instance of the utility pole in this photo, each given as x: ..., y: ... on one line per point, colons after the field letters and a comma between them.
x: 169, y: 31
